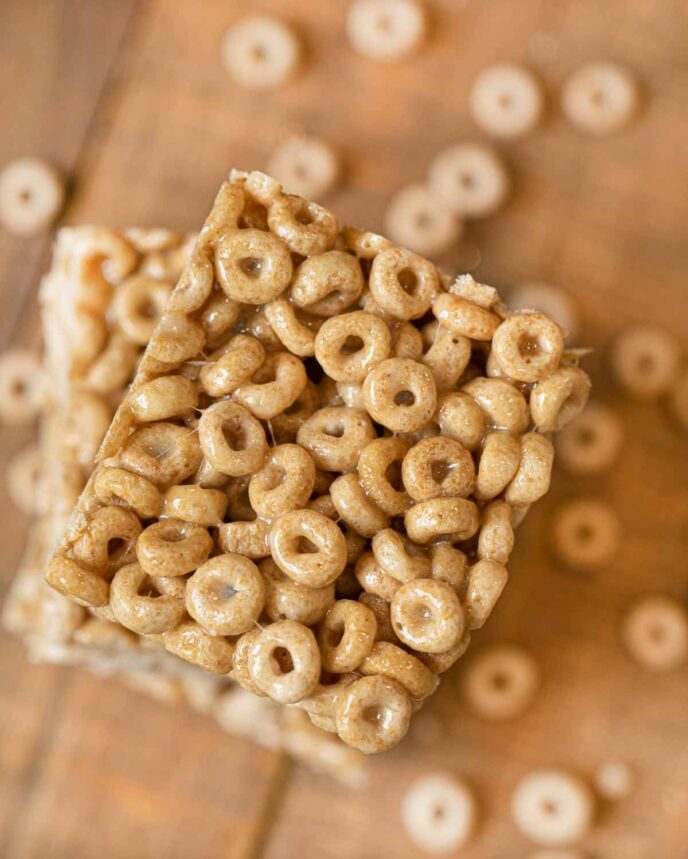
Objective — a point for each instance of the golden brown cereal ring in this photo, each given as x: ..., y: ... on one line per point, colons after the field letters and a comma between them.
x: 348, y: 346
x: 586, y: 533
x: 225, y: 595
x: 438, y: 466
x: 438, y: 663
x: 552, y: 807
x: 195, y: 504
x: 397, y: 556
x: 470, y: 179
x: 284, y: 661
x: 380, y: 608
x: 499, y: 462
x: 163, y: 398
x: 21, y: 386
x: 76, y: 582
x: 208, y: 478
x: 379, y: 471
x: 218, y: 315
x: 286, y: 599
x: 171, y: 547
x: 389, y: 705
x: 403, y: 284
x: 146, y: 604
x: 114, y: 366
x: 177, y: 339
x: 600, y: 98
x: 550, y: 300
x: 312, y: 568
x: 346, y: 636
x: 260, y: 52
x: 164, y: 453
x: 137, y: 306
x: 427, y: 615
x: 558, y: 399
x: 365, y: 245
x: 109, y: 540
x: 504, y: 406
x: 500, y: 682
x: 400, y: 394
x: 253, y: 266
x: 306, y: 228
x: 464, y: 317
x: 327, y: 284
x: 461, y: 418
x: 506, y: 100
x: 85, y: 421
x: 295, y: 331
x: 116, y: 485
x: 416, y: 219
x: 527, y: 347
x: 305, y: 165
x: 335, y: 435
x: 245, y: 538
x: 191, y: 642
x: 655, y: 632
x: 439, y: 813
x: 453, y: 518
x: 450, y: 565
x: 355, y: 508
x: 448, y: 356
x: 275, y: 387
x: 284, y: 483
x: 486, y: 581
x: 286, y: 426
x: 591, y: 443
x: 393, y: 662
x: 645, y: 361
x: 534, y: 472
x: 406, y: 341
x: 31, y: 195
x: 351, y: 394
x: 386, y: 30
x: 325, y: 505
x: 231, y: 439
x: 496, y: 537
x: 238, y: 504
x: 231, y: 365
x: 373, y: 579
x: 240, y: 670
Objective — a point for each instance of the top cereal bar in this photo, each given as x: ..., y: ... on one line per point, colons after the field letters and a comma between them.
x: 313, y: 482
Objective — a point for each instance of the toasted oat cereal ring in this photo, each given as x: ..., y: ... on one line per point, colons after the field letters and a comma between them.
x: 245, y: 538
x: 253, y: 266
x: 364, y: 244
x: 305, y: 227
x: 294, y: 331
x: 645, y: 361
x: 351, y: 394
x: 231, y: 365
x: 31, y: 195
x: 559, y: 398
x: 321, y: 704
x: 284, y: 483
x: 240, y: 668
x: 470, y: 179
x: 550, y: 300
x: 453, y: 519
x: 177, y: 339
x: 534, y: 472
x: 164, y: 453
x: 171, y: 547
x: 138, y: 304
x: 400, y: 394
x: 146, y: 604
x: 114, y: 367
x: 347, y: 585
x: 380, y: 608
x: 191, y: 642
x: 238, y: 504
x: 498, y: 465
x: 275, y: 387
x: 496, y: 536
x: 403, y: 284
x: 284, y: 661
x: 21, y: 386
x: 76, y: 582
x: 393, y: 662
x: 232, y: 440
x: 196, y: 280
x: 346, y: 636
x: 195, y: 504
x: 386, y: 30
x: 286, y: 599
x: 600, y: 98
x: 348, y: 346
x: 438, y: 467
x: 438, y: 663
x: 88, y: 340
x: 449, y: 564
x: 506, y: 100
x: 397, y: 556
x: 427, y: 615
x: 305, y: 165
x: 119, y: 486
x: 109, y: 540
x: 308, y: 547
x: 678, y: 399
x: 407, y: 341
x: 162, y: 398
x: 355, y: 508
x: 373, y: 714
x: 225, y: 595
x: 591, y: 443
x: 586, y: 533
x: 655, y: 632
x: 85, y: 420
x: 23, y: 479
x: 328, y: 283
x: 335, y: 435
x: 527, y: 347
x: 486, y: 581
x: 500, y: 682
x: 439, y: 813
x: 504, y: 405
x: 286, y: 426
x: 552, y: 807
x: 374, y: 580
x: 460, y: 417
x: 218, y: 315
x: 448, y: 356
x: 260, y: 52
x: 325, y: 505
x: 464, y: 317
x: 379, y: 471
x: 415, y: 218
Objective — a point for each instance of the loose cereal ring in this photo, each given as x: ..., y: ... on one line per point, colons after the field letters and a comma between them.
x: 438, y: 467
x: 146, y: 604
x: 162, y: 398
x: 275, y: 387
x: 379, y: 471
x: 393, y: 662
x: 286, y: 599
x: 24, y: 477
x: 164, y: 453
x: 500, y: 682
x: 506, y: 100
x: 327, y: 284
x: 306, y: 228
x: 527, y: 347
x: 504, y: 405
x: 335, y: 435
x: 21, y: 386
x: 348, y: 346
x: 232, y: 439
x: 558, y: 399
x: 253, y: 266
x: 248, y: 538
x: 137, y: 306
x: 306, y: 165
x: 403, y: 284
x: 400, y: 394
x: 171, y: 547
x: 322, y: 558
x: 295, y: 331
x: 553, y: 807
x: 448, y: 356
x: 655, y: 632
x: 645, y: 361
x: 284, y: 661
x: 386, y: 30
x: 119, y: 486
x: 427, y: 615
x: 109, y: 541
x: 464, y: 317
x: 496, y: 536
x: 397, y: 556
x: 355, y: 508
x: 225, y: 595
x: 31, y: 195
x: 499, y: 462
x: 454, y: 519
x: 373, y: 579
x: 460, y: 417
x: 470, y: 179
x: 191, y: 642
x: 486, y: 581
x: 195, y: 504
x: 416, y: 219
x: 534, y: 472
x: 449, y: 564
x: 231, y: 365
x: 600, y: 98
x: 591, y: 443
x: 439, y: 812
x: 284, y: 483
x: 373, y: 714
x: 76, y: 582
x: 260, y: 52
x: 586, y: 533
x: 346, y: 636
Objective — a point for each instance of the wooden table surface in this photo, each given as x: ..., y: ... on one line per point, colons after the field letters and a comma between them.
x: 130, y: 100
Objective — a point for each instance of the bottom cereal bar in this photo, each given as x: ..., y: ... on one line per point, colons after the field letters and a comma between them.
x: 99, y: 304
x: 312, y: 485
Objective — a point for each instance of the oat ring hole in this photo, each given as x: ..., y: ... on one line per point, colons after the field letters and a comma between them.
x: 308, y: 547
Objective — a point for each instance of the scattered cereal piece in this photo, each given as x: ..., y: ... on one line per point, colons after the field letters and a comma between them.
x: 386, y: 30
x: 500, y: 682
x: 553, y: 807
x: 678, y: 398
x: 31, y: 195
x: 21, y: 386
x: 470, y: 179
x: 645, y: 361
x: 614, y: 779
x: 260, y: 52
x: 417, y: 220
x: 305, y: 165
x: 22, y: 477
x: 591, y: 443
x: 439, y: 813
x: 506, y: 100
x: 655, y: 633
x: 587, y: 533
x: 600, y: 98
x: 552, y: 300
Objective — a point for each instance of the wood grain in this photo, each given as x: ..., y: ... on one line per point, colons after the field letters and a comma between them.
x: 131, y: 100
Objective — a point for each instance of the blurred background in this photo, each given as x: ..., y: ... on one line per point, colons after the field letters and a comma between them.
x: 131, y: 102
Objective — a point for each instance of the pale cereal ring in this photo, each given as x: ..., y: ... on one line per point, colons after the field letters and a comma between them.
x: 500, y: 682
x: 284, y: 483
x: 614, y: 779
x: 380, y: 608
x: 506, y: 100
x: 286, y: 599
x: 454, y: 519
x: 191, y: 642
x: 110, y: 540
x: 386, y: 30
x: 591, y: 443
x: 321, y: 704
x: 114, y: 367
x: 85, y: 421
x: 162, y: 398
x: 379, y: 471
x: 427, y: 615
x: 232, y: 440
x: 218, y: 315
x: 469, y: 178
x: 335, y: 435
x: 164, y: 453
x: 558, y: 399
x: 586, y: 533
x: 146, y: 604
x: 89, y: 340
x: 416, y: 219
x: 496, y: 536
x: 438, y: 663
x: 439, y: 813
x: 374, y: 580
x: 196, y: 281
x: 600, y: 98
x: 499, y: 462
x: 438, y: 467
x: 397, y: 556
x: 373, y: 714
x: 348, y: 346
x: 284, y: 661
x: 550, y: 300
x: 137, y: 306
x: 295, y: 331
x: 553, y: 807
x: 119, y: 486
x: 305, y: 228
x: 355, y: 508
x: 655, y: 632
x: 465, y: 317
x: 23, y: 478
x: 240, y: 668
x: 645, y: 361
x: 403, y: 284
x: 504, y: 405
x: 171, y: 547
x: 275, y: 386
x: 400, y: 394
x: 448, y: 356
x: 460, y: 417
x: 252, y: 266
x: 678, y: 399
x: 393, y: 662
x: 76, y: 582
x: 245, y: 538
x: 321, y: 560
x: 327, y: 284
x: 534, y: 472
x: 449, y: 564
x: 177, y: 339
x: 486, y: 581
x: 407, y: 341
x: 364, y: 244
x: 231, y: 365
x: 225, y: 595
x: 305, y: 165
x: 31, y: 196
x: 346, y: 636
x: 260, y: 52
x: 527, y: 347
x: 21, y: 386
x: 195, y: 504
